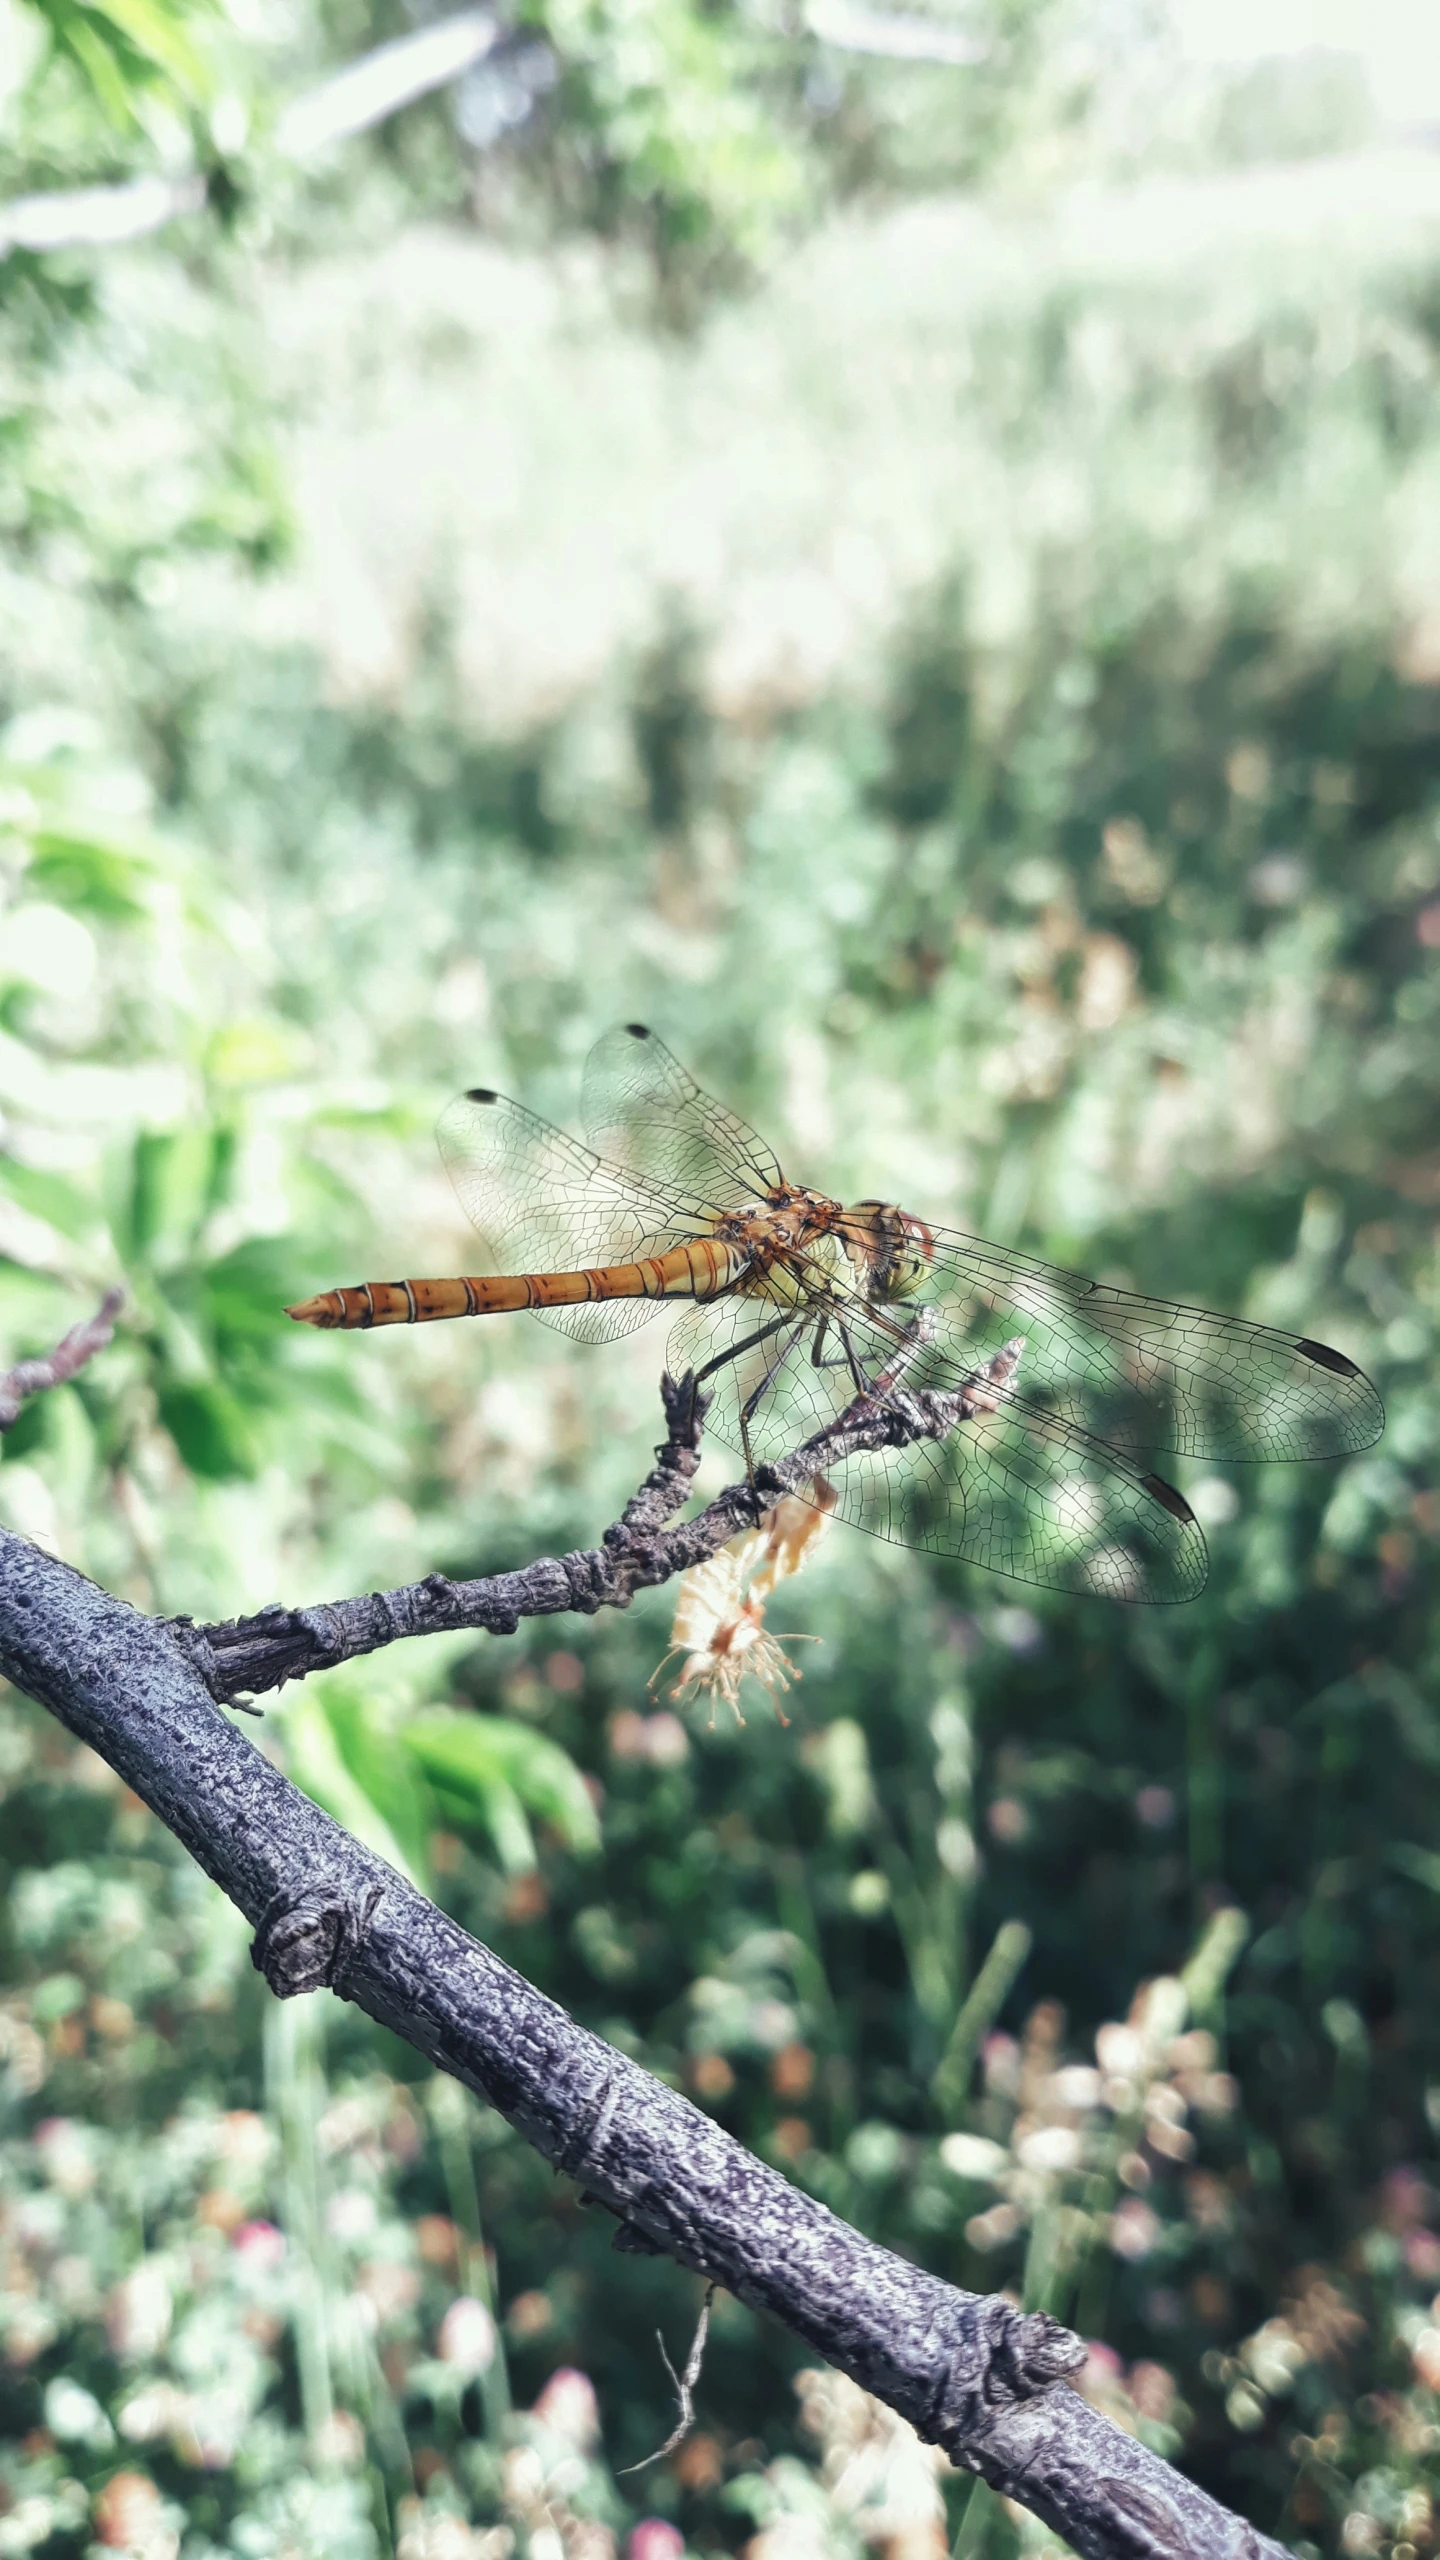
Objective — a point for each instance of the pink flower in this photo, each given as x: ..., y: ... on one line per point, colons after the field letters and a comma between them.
x: 1152, y: 2388
x: 1001, y: 2055
x: 1405, y: 2199
x: 1422, y: 2255
x: 128, y: 2512
x: 653, y: 2539
x: 1155, y: 1807
x: 1134, y: 2229
x: 568, y: 2404
x: 1101, y: 2362
x: 260, y: 2246
x: 666, y: 1744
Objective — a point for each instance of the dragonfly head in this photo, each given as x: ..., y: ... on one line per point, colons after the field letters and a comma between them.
x: 898, y: 1249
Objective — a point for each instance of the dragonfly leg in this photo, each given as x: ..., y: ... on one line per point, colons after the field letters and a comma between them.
x: 752, y: 1400
x: 862, y: 1383
x: 846, y: 1358
x: 737, y: 1350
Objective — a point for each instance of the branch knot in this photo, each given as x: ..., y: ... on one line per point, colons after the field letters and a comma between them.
x: 308, y: 1941
x: 1000, y: 2356
x: 326, y: 1629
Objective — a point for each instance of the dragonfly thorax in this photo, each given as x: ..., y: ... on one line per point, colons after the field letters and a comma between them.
x: 790, y: 1231
x: 799, y: 1242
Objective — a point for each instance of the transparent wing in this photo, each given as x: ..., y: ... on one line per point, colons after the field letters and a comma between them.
x: 1023, y: 1494
x: 643, y: 1113
x: 1140, y: 1374
x: 761, y: 1357
x: 544, y: 1203
x: 1018, y: 1490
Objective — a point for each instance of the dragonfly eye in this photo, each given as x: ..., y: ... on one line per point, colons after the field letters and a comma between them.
x: 914, y: 1255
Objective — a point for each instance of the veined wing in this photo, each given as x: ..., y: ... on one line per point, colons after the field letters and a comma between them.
x: 1023, y: 1494
x: 645, y: 1114
x: 542, y: 1202
x: 1018, y: 1489
x: 1141, y: 1374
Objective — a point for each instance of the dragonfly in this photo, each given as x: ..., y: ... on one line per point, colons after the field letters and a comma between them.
x: 796, y: 1305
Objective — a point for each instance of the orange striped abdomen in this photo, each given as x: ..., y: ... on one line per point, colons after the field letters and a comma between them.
x: 703, y: 1269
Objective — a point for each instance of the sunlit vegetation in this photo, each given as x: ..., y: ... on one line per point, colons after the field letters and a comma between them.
x: 979, y: 695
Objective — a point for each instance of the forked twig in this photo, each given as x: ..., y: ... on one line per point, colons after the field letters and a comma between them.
x: 31, y: 1377
x: 684, y: 2388
x: 971, y: 2373
x: 243, y: 1656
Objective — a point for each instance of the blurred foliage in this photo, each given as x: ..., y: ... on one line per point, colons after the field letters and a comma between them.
x: 1088, y: 1954
x: 128, y: 49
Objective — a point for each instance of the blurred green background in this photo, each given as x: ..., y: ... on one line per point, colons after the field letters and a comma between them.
x: 919, y: 580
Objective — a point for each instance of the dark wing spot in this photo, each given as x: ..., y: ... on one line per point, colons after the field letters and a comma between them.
x: 1166, y: 1495
x: 1325, y: 1358
x: 637, y: 1030
x: 481, y: 1093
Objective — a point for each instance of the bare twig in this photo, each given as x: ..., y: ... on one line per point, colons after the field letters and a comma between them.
x: 970, y: 2372
x: 31, y: 1377
x: 684, y: 2388
x: 245, y: 1655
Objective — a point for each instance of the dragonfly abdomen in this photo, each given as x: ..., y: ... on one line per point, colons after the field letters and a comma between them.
x: 702, y: 1269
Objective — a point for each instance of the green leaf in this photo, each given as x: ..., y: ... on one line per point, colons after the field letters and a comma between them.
x: 500, y: 1767
x: 244, y: 1295
x: 26, y: 1432
x: 159, y: 34
x: 95, y: 879
x: 470, y: 1787
x: 61, y: 1204
x: 493, y: 1807
x: 372, y: 1751
x: 210, y: 1428
x: 548, y: 1783
x: 1422, y: 1864
x: 317, y: 1762
x: 97, y: 60
x: 172, y: 1174
x: 129, y: 46
x: 34, y: 1310
x: 58, y: 1996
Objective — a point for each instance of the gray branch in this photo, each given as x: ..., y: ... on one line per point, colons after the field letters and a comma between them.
x: 31, y: 1377
x: 246, y: 1656
x: 969, y: 2371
